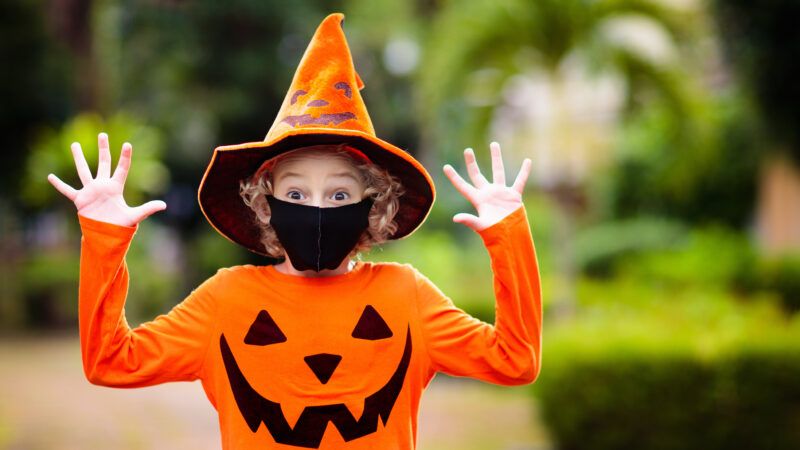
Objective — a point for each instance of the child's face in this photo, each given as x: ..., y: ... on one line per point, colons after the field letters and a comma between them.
x: 317, y: 180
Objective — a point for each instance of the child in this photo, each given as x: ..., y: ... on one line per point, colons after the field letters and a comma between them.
x: 315, y: 351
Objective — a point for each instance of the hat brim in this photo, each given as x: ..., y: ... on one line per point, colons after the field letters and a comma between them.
x: 224, y: 208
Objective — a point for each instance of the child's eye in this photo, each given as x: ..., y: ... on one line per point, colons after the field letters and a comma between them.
x: 294, y: 195
x: 343, y: 195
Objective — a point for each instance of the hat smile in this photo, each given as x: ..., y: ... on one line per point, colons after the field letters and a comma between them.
x: 323, y: 119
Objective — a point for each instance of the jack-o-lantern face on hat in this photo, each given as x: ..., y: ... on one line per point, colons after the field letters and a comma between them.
x: 326, y: 108
x: 310, y: 427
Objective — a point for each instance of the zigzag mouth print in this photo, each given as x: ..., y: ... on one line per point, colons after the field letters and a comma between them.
x: 310, y: 427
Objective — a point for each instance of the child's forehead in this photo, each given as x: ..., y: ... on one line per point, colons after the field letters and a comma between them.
x: 313, y: 167
x: 327, y: 158
x: 314, y: 160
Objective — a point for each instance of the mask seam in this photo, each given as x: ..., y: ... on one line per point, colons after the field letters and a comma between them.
x: 319, y: 238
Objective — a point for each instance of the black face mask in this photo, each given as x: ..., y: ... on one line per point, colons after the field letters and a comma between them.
x: 318, y: 238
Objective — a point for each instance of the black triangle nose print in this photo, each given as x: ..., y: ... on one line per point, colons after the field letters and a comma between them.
x: 371, y: 326
x: 323, y: 365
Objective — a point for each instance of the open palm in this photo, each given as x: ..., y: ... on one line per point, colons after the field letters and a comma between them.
x: 101, y: 197
x: 493, y: 200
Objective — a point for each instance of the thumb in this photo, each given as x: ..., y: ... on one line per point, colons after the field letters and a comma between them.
x: 467, y: 219
x: 149, y: 208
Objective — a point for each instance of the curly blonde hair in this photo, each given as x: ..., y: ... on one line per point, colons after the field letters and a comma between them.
x: 384, y: 188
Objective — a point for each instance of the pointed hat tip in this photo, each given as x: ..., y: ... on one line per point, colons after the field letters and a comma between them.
x: 333, y: 19
x: 336, y: 18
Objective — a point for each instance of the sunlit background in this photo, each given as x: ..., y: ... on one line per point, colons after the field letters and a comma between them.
x: 664, y: 201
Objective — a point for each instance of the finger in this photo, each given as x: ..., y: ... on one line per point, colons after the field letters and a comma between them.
x: 104, y: 160
x: 80, y: 163
x: 472, y: 169
x: 469, y: 220
x: 149, y: 208
x: 124, y: 164
x: 522, y: 176
x: 460, y: 184
x: 62, y: 187
x: 498, y: 171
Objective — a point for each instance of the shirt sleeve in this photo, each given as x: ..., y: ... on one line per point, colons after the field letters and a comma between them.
x: 508, y: 353
x: 172, y: 347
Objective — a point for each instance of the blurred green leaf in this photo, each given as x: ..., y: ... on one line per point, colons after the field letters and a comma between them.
x: 598, y: 247
x: 51, y: 154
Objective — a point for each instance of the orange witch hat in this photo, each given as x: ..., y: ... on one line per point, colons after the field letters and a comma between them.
x: 323, y: 106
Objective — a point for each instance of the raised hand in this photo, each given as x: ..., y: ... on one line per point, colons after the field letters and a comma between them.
x: 101, y: 197
x: 493, y: 200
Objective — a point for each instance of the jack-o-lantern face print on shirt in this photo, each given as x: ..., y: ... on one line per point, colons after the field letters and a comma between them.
x: 324, y: 110
x: 309, y: 429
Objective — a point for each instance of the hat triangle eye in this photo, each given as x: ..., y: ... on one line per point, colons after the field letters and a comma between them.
x: 371, y: 326
x: 344, y: 87
x: 264, y: 331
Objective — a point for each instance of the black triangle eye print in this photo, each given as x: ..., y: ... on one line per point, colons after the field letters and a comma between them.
x: 264, y: 331
x: 371, y: 326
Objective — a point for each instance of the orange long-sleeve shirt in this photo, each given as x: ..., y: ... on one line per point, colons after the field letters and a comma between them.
x: 294, y: 362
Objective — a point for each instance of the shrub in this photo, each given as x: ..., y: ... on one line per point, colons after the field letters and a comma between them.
x: 747, y: 400
x: 780, y: 275
x: 710, y: 255
x: 672, y: 370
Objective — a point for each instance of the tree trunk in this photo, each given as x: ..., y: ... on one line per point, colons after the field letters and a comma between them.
x: 778, y: 208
